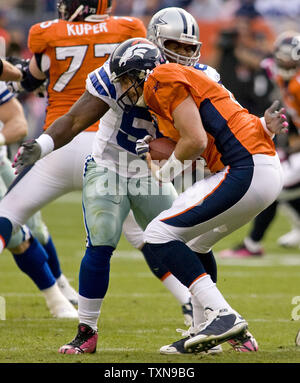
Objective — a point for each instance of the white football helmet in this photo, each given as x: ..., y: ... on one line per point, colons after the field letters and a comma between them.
x: 178, y: 25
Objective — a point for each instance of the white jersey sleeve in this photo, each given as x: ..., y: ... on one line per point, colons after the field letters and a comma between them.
x: 99, y: 85
x: 118, y: 131
x: 5, y: 96
x: 5, y: 93
x: 209, y: 71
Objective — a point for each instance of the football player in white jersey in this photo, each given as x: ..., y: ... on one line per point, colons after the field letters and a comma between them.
x: 30, y: 256
x: 118, y: 135
x: 64, y: 159
x: 115, y: 140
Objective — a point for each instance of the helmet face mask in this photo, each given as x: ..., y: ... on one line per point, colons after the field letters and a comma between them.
x: 83, y: 10
x: 133, y: 59
x: 178, y: 25
x: 129, y: 98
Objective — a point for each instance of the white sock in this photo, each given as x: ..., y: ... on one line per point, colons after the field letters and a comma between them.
x: 89, y: 311
x: 54, y: 296
x: 180, y: 292
x: 251, y: 245
x: 207, y: 294
x: 198, y: 312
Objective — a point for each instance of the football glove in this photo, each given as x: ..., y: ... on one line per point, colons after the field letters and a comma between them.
x: 28, y: 153
x: 142, y: 146
x: 276, y: 120
x: 21, y: 64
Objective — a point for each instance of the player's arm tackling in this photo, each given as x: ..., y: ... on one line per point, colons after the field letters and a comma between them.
x: 86, y: 111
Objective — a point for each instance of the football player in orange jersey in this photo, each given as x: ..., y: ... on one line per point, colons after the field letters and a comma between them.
x: 284, y: 69
x: 205, y: 119
x: 94, y: 103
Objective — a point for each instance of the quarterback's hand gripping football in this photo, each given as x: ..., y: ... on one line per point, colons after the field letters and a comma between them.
x: 142, y: 146
x: 27, y: 155
x: 276, y: 120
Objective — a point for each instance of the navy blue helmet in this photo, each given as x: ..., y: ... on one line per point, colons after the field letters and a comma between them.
x: 134, y: 58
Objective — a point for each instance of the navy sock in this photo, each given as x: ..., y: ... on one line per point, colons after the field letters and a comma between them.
x: 209, y: 263
x: 94, y: 271
x: 33, y: 262
x: 295, y: 204
x: 179, y: 259
x: 155, y: 264
x: 262, y: 222
x: 5, y: 230
x: 53, y: 261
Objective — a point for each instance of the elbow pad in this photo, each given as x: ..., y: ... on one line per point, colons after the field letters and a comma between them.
x: 29, y: 82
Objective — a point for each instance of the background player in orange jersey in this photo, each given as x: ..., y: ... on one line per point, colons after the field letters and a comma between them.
x: 204, y: 119
x: 284, y: 70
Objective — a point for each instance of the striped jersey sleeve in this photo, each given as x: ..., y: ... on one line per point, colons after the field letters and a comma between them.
x: 209, y: 71
x: 5, y: 93
x: 99, y: 85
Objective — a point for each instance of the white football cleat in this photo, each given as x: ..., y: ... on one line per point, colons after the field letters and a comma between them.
x: 290, y: 239
x: 64, y: 311
x: 58, y: 304
x: 177, y: 348
x: 221, y: 326
x: 67, y: 290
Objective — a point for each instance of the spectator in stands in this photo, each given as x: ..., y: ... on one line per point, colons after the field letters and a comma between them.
x: 240, y: 50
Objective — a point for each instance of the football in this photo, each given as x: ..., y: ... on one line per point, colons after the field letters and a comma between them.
x: 161, y: 148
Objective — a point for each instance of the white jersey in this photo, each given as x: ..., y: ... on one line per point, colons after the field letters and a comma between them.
x: 5, y: 95
x: 114, y: 144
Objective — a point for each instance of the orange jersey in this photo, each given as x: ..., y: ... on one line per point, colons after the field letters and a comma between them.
x: 234, y: 135
x: 290, y: 92
x: 71, y: 50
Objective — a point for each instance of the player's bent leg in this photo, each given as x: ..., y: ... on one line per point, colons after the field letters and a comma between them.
x: 218, y: 205
x: 150, y: 200
x: 104, y: 215
x: 134, y: 234
x: 31, y: 258
x: 41, y: 233
x: 34, y: 188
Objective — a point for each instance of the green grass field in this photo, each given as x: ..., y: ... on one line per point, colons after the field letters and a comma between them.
x: 139, y: 315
